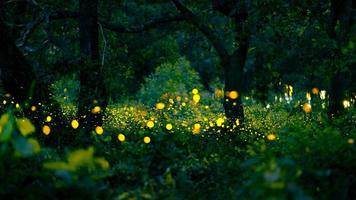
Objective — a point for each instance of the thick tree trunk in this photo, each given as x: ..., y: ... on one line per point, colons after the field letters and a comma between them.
x: 92, y: 86
x: 233, y: 83
x: 340, y: 17
x: 15, y: 72
x: 234, y: 68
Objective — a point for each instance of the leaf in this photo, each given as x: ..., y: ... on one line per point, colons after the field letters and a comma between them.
x: 58, y: 166
x: 25, y: 126
x: 6, y: 127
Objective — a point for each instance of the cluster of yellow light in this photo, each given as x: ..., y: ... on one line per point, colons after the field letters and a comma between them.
x: 33, y: 108
x: 196, y: 128
x: 169, y: 126
x: 146, y: 139
x: 308, y: 96
x: 237, y: 122
x: 160, y: 106
x: 74, y: 124
x: 17, y: 105
x: 307, y: 107
x: 289, y: 90
x: 220, y: 121
x: 46, y: 130
x: 4, y: 102
x: 271, y: 137
x: 315, y: 91
x: 48, y: 118
x: 322, y: 94
x: 99, y: 130
x: 350, y: 141
x: 96, y: 109
x: 346, y: 103
x: 121, y: 137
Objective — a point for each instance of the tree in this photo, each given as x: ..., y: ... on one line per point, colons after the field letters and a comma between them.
x: 92, y: 87
x: 232, y: 64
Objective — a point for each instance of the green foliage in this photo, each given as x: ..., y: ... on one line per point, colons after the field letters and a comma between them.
x: 178, y: 78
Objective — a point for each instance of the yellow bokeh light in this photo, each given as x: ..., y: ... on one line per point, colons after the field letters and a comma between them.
x: 96, y: 109
x: 48, y: 118
x: 307, y: 108
x: 315, y: 91
x: 169, y: 127
x: 75, y: 124
x: 237, y: 122
x: 160, y: 106
x: 233, y: 94
x: 17, y: 105
x: 308, y: 96
x: 346, y: 103
x: 196, y: 98
x: 195, y: 91
x: 146, y: 139
x: 350, y: 141
x: 196, y: 128
x: 220, y: 121
x: 150, y: 124
x: 99, y: 130
x: 46, y: 130
x: 4, y: 102
x: 33, y: 108
x: 271, y: 137
x: 121, y: 137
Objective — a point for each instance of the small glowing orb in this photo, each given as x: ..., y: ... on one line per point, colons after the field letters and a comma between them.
x: 346, y: 103
x: 96, y: 109
x: 308, y: 96
x: 99, y: 130
x: 150, y: 124
x: 4, y: 102
x: 219, y: 121
x: 195, y: 91
x: 350, y: 141
x: 169, y: 127
x: 271, y: 137
x: 315, y: 91
x: 75, y: 124
x: 160, y: 106
x: 233, y: 94
x: 48, y: 118
x: 196, y: 128
x: 237, y: 122
x: 121, y: 137
x: 322, y: 94
x: 171, y: 101
x: 307, y: 108
x: 46, y: 130
x: 183, y: 104
x: 196, y: 98
x: 146, y: 140
x: 33, y: 108
x: 17, y: 105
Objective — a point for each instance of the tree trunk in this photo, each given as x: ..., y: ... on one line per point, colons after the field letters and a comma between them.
x: 234, y: 66
x: 15, y: 72
x: 341, y: 19
x: 92, y: 87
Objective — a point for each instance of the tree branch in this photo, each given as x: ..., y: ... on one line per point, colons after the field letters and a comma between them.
x: 205, y: 29
x: 153, y: 23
